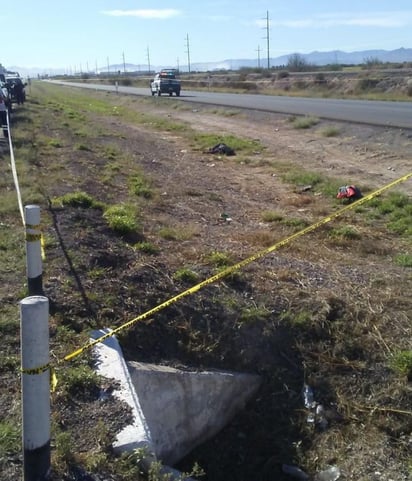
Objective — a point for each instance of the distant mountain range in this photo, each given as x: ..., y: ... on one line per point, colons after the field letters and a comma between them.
x: 399, y: 55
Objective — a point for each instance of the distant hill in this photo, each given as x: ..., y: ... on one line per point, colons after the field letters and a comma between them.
x: 399, y: 55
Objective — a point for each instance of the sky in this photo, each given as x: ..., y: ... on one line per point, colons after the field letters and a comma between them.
x: 90, y: 34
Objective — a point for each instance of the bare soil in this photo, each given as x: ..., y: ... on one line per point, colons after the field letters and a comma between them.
x: 320, y: 311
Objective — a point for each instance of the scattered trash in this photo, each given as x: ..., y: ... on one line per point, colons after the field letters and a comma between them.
x: 295, y: 472
x: 316, y: 413
x: 350, y: 192
x: 221, y: 149
x: 320, y: 418
x: 225, y: 217
x: 331, y: 474
x: 309, y: 402
x: 305, y: 188
x: 308, y: 396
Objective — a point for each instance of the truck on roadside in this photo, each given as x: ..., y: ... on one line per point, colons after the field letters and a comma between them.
x: 165, y: 82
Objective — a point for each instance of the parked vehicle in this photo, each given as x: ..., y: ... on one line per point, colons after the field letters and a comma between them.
x: 15, y: 86
x: 4, y: 95
x: 165, y: 82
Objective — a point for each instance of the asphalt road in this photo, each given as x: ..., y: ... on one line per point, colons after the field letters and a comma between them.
x: 383, y: 113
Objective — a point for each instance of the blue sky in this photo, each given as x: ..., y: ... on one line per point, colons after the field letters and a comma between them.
x: 85, y: 33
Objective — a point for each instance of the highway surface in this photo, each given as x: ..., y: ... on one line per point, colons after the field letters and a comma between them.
x: 382, y: 113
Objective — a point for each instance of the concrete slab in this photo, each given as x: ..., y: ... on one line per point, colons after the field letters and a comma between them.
x: 185, y: 408
x: 174, y: 411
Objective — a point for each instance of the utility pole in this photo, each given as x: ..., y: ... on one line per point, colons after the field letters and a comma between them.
x: 188, y: 51
x: 148, y: 58
x: 258, y: 52
x: 267, y: 38
x: 124, y: 65
x: 108, y: 68
x: 177, y: 63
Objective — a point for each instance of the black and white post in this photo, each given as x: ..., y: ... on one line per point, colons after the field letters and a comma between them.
x: 33, y: 250
x: 35, y: 384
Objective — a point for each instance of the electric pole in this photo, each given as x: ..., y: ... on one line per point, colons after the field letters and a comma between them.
x: 188, y: 51
x: 267, y: 38
x: 258, y: 52
x: 124, y: 64
x: 148, y: 59
x: 108, y: 68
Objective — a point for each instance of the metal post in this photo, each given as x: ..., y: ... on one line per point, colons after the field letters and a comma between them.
x: 33, y: 250
x: 34, y: 313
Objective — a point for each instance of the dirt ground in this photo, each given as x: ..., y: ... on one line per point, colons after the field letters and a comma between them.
x: 249, y: 321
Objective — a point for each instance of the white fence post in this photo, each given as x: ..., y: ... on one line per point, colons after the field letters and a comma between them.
x: 34, y: 314
x: 33, y: 250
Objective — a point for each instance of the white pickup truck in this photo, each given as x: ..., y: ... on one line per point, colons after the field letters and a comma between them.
x: 165, y: 82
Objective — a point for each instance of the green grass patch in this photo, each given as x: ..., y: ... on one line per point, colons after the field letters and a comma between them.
x: 251, y: 315
x: 219, y: 259
x: 178, y: 233
x: 10, y: 438
x: 79, y: 381
x: 404, y: 260
x: 122, y: 218
x: 77, y: 199
x: 140, y: 186
x: 401, y: 362
x: 55, y: 143
x: 146, y: 247
x: 396, y: 208
x: 186, y: 275
x: 345, y: 232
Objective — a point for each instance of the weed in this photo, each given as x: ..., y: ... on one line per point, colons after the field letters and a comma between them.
x: 80, y: 381
x: 300, y: 318
x: 186, y: 275
x: 122, y: 218
x: 178, y: 233
x: 330, y: 132
x: 64, y: 450
x: 299, y: 177
x: 140, y: 186
x: 82, y: 147
x: 10, y: 438
x: 305, y: 122
x: 76, y: 199
x: 55, y: 143
x: 271, y: 216
x: 169, y: 233
x: 251, y: 315
x: 401, y: 362
x: 219, y: 259
x: 146, y: 247
x: 297, y: 223
x: 345, y: 232
x: 397, y: 207
x: 404, y: 260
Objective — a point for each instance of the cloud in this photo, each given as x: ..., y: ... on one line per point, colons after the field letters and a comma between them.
x: 160, y: 13
x: 374, y: 19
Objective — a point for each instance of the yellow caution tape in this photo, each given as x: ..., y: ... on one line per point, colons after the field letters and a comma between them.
x: 235, y: 267
x: 33, y: 237
x: 42, y: 247
x: 35, y: 370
